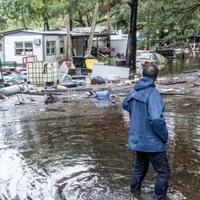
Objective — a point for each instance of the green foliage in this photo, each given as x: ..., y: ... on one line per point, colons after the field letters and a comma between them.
x: 157, y: 19
x: 121, y: 17
x: 2, y: 18
x: 141, y: 45
x: 17, y: 10
x: 169, y: 20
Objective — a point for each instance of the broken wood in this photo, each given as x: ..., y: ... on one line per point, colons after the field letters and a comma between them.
x: 190, y: 71
x: 50, y: 99
x: 174, y: 82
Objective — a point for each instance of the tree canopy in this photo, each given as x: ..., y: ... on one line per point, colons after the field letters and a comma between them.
x: 157, y: 19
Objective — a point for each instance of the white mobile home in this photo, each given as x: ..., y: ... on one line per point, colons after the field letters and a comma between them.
x: 44, y: 45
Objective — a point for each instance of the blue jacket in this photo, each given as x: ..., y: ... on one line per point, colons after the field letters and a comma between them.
x: 147, y: 132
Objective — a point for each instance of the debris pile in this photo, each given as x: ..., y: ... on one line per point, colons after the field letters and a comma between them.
x: 105, y: 83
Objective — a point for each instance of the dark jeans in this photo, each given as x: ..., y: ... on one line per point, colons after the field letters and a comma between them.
x: 160, y: 164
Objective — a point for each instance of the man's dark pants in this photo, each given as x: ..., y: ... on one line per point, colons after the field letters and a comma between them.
x: 160, y: 164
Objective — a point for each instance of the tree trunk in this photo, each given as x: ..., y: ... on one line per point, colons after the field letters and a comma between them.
x: 109, y: 20
x: 148, y: 29
x: 46, y: 23
x: 23, y: 20
x: 109, y: 27
x: 68, y: 43
x: 45, y: 17
x: 95, y: 14
x: 132, y: 39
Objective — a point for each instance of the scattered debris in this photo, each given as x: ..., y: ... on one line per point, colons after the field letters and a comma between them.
x: 186, y: 104
x: 50, y: 99
x: 7, y: 91
x: 72, y: 81
x: 2, y: 96
x: 113, y: 78
x: 106, y: 83
x: 196, y: 84
x: 115, y: 98
x: 61, y: 88
x: 90, y: 61
x: 175, y: 82
x: 90, y: 93
x: 103, y: 95
x: 66, y: 100
x: 105, y: 71
x: 19, y: 101
x: 190, y: 71
x: 171, y: 91
x: 97, y: 80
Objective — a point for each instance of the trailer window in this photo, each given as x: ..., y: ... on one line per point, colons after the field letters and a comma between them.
x: 51, y: 47
x: 23, y: 48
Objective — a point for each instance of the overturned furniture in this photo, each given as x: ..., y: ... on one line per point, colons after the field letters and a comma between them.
x: 42, y: 74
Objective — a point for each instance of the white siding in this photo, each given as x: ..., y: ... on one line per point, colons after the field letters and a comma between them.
x: 101, y: 43
x: 119, y: 46
x: 57, y: 56
x: 9, y: 43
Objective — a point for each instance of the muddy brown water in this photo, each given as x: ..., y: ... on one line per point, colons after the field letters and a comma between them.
x: 77, y: 151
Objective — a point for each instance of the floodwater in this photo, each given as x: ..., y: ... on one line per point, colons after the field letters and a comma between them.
x: 175, y: 67
x: 77, y: 151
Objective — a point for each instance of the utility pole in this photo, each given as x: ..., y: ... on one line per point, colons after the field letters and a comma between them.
x: 132, y: 39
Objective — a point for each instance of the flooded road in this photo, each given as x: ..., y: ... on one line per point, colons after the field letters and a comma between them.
x: 77, y: 151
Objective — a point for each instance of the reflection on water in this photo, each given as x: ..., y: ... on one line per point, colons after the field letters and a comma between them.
x: 185, y: 157
x: 178, y: 66
x: 78, y: 151
x: 73, y: 152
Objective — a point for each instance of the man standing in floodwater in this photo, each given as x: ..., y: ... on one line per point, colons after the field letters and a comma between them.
x: 148, y: 133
